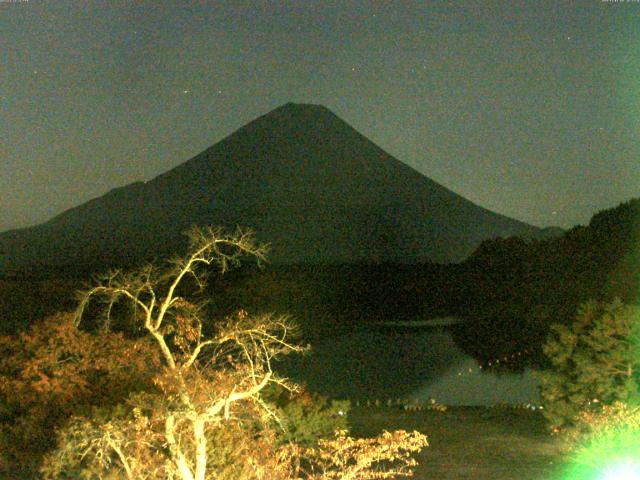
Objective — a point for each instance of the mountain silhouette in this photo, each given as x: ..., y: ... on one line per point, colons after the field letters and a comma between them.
x: 307, y: 182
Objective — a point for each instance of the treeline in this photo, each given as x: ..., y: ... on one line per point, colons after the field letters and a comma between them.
x: 512, y: 290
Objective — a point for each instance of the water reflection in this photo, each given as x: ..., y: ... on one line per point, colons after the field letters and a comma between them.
x: 403, y: 361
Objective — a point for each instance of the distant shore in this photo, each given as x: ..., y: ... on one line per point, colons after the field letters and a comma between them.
x: 432, y: 322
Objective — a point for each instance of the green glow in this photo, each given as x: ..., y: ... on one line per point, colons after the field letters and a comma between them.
x: 614, y: 455
x: 623, y: 471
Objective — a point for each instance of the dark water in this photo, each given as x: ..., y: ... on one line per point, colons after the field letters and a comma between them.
x: 423, y: 363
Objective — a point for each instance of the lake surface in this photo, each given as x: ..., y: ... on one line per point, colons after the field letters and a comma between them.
x: 407, y: 363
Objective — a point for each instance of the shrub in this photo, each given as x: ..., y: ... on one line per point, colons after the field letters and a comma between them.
x: 54, y: 371
x: 595, y: 426
x: 347, y: 458
x: 307, y: 418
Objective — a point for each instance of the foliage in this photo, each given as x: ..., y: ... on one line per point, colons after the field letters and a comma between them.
x: 594, y: 426
x: 593, y: 362
x: 205, y: 415
x: 305, y: 418
x: 54, y: 370
x: 346, y: 458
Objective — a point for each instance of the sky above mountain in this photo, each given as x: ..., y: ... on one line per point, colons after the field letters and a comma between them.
x: 530, y: 109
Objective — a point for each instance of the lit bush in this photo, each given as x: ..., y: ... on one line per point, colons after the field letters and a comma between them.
x: 347, y: 458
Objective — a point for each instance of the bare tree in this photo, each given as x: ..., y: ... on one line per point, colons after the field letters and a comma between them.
x: 205, y: 375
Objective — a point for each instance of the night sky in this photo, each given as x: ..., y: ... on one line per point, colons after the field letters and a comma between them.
x: 528, y: 108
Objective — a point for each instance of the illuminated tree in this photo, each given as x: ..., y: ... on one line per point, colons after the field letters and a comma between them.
x: 206, y: 416
x: 207, y: 369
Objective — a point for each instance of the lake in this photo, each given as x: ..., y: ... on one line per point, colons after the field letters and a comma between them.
x: 407, y: 361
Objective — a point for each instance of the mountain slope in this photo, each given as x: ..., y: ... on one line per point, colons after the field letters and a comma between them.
x: 308, y: 183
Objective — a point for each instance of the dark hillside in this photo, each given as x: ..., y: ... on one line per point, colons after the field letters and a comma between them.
x: 513, y: 290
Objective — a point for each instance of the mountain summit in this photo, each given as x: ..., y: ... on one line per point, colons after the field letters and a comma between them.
x: 307, y: 182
